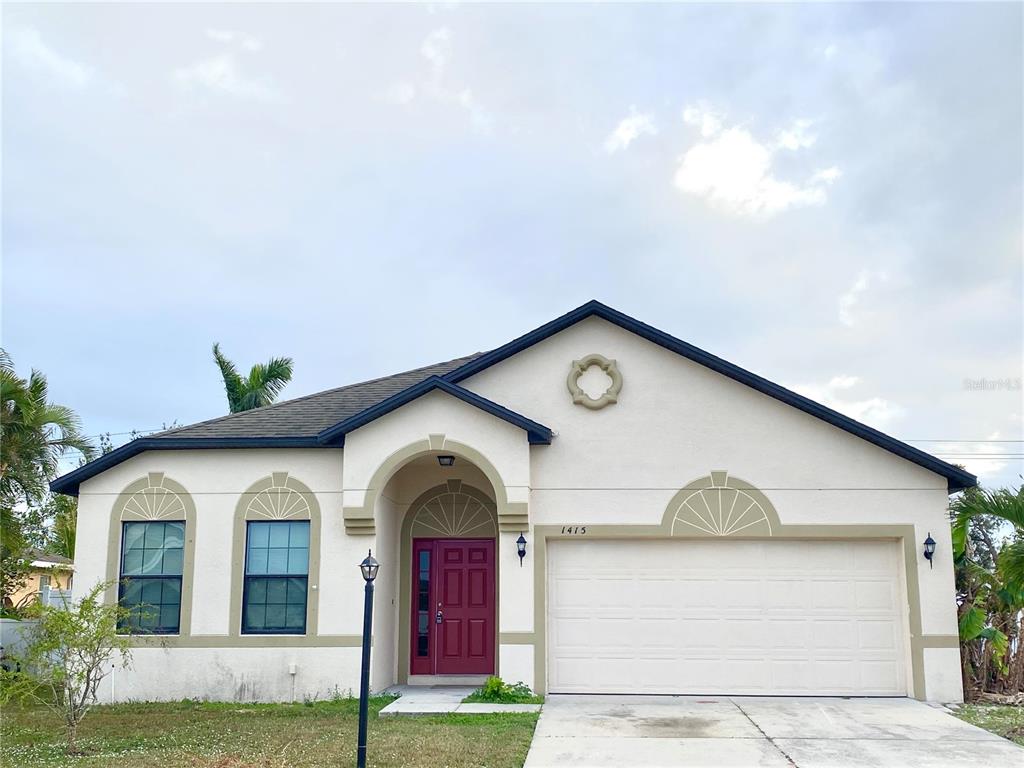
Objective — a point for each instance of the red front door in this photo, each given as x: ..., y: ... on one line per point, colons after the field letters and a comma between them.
x: 453, y: 607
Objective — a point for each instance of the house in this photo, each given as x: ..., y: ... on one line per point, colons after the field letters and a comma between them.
x: 690, y: 527
x: 48, y: 576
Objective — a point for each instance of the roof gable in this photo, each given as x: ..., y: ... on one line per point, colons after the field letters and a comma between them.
x: 957, y: 478
x: 536, y: 433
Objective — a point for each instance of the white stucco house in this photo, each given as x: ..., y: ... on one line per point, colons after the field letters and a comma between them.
x: 690, y: 527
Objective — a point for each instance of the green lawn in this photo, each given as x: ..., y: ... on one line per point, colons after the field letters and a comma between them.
x: 198, y: 735
x: 1008, y: 722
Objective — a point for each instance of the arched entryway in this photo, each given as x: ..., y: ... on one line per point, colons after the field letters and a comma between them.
x: 439, y: 525
x: 449, y: 551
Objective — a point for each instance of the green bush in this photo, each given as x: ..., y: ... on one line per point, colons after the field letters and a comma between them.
x: 497, y: 691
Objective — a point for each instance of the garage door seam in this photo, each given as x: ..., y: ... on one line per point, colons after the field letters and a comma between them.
x: 768, y: 738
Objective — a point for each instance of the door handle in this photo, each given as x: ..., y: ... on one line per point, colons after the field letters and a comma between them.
x: 439, y: 616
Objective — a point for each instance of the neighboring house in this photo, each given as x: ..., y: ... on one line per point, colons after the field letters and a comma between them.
x: 48, y: 575
x: 690, y: 527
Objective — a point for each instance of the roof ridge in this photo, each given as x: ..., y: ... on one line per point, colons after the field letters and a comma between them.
x: 265, y: 408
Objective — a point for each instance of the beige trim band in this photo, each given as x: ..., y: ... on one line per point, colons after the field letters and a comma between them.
x: 246, y: 641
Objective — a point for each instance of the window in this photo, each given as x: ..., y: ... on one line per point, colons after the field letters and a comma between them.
x: 44, y: 581
x: 152, y: 556
x: 276, y: 577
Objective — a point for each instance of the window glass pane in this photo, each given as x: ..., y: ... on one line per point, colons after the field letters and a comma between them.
x: 154, y: 535
x: 279, y: 535
x: 132, y: 563
x: 297, y: 591
x: 169, y: 616
x: 299, y: 535
x: 424, y: 560
x: 277, y: 590
x: 171, y: 592
x: 174, y: 535
x: 275, y: 615
x: 257, y: 591
x: 131, y: 592
x: 277, y: 559
x: 257, y: 561
x: 173, y: 561
x: 295, y: 616
x: 255, y: 617
x: 298, y: 561
x: 151, y: 589
x: 259, y: 534
x: 152, y: 562
x: 133, y: 534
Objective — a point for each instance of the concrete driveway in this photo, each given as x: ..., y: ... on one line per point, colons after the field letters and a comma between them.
x: 722, y: 732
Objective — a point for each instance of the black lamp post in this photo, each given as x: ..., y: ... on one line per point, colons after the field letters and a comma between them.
x: 929, y: 550
x: 369, y: 567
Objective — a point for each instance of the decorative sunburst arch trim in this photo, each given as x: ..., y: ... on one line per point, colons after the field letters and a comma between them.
x: 278, y: 496
x: 720, y: 505
x: 154, y: 498
x: 453, y: 510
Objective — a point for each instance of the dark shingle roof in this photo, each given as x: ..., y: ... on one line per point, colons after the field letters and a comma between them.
x: 309, y: 415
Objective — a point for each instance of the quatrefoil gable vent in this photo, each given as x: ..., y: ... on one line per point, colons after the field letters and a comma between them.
x: 579, y: 367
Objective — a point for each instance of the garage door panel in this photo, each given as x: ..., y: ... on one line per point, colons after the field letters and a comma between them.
x: 743, y: 617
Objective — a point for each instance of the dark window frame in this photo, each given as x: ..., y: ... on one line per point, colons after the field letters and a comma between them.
x: 126, y: 627
x: 247, y: 577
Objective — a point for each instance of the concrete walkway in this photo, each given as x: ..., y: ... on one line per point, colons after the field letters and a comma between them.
x: 442, y: 699
x: 740, y: 732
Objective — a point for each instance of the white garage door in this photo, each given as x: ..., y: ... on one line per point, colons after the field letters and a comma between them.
x: 726, y: 617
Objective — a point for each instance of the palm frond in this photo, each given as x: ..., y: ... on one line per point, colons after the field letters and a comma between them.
x: 234, y: 387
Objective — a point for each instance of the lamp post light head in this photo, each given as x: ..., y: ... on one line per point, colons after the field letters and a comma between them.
x: 521, y: 548
x: 369, y: 567
x: 929, y: 549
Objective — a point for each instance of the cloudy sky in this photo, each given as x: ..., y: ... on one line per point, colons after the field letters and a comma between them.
x: 828, y: 195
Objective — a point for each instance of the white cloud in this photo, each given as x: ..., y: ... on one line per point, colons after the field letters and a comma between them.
x: 221, y: 73
x: 849, y: 300
x: 960, y: 453
x: 874, y: 411
x: 29, y: 49
x: 704, y: 119
x: 830, y: 50
x: 797, y: 136
x: 733, y: 171
x: 230, y: 36
x: 436, y: 48
x: 628, y: 130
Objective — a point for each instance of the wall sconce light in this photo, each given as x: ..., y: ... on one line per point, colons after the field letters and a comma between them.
x: 446, y: 461
x: 521, y: 548
x: 929, y: 550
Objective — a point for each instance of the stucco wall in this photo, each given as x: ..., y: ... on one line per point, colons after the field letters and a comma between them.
x: 674, y: 422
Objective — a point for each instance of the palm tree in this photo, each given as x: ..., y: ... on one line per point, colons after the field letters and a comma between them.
x: 990, y: 581
x: 264, y: 384
x: 35, y: 434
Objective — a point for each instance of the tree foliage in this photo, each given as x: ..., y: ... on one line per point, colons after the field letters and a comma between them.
x: 67, y: 655
x: 35, y: 434
x: 261, y: 387
x: 988, y: 544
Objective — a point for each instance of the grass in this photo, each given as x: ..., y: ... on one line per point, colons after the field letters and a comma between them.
x: 214, y: 735
x: 1000, y: 719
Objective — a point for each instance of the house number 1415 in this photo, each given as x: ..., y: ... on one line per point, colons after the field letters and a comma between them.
x: 574, y: 530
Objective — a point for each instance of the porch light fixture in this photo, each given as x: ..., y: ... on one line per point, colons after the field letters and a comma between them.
x: 521, y: 548
x: 446, y: 461
x: 369, y: 568
x: 929, y: 550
